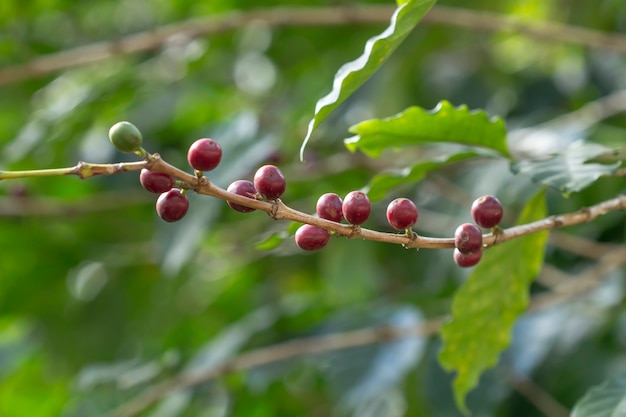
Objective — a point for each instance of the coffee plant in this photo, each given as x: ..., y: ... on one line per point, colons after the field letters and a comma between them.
x: 462, y: 252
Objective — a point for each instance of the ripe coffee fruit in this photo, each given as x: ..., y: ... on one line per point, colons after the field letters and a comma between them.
x: 468, y: 238
x: 244, y: 188
x: 329, y: 207
x: 309, y: 237
x: 156, y: 182
x: 172, y: 205
x: 487, y: 211
x: 356, y: 207
x: 204, y: 154
x: 467, y: 259
x: 125, y: 137
x: 269, y: 182
x: 401, y: 213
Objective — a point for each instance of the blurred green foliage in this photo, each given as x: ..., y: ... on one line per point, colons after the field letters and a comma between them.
x: 99, y: 299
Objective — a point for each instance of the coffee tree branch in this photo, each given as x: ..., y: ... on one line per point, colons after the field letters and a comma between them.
x: 280, y: 211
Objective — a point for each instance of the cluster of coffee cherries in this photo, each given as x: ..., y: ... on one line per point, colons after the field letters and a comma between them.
x: 468, y: 238
x: 203, y: 155
x: 355, y: 208
x: 269, y: 184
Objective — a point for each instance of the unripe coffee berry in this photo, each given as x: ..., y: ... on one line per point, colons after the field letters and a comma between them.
x: 204, y: 154
x: 244, y: 188
x: 356, y: 207
x: 172, y: 205
x: 309, y: 237
x: 156, y: 182
x: 468, y: 238
x: 269, y: 182
x: 125, y: 137
x: 401, y: 213
x: 487, y: 211
x: 329, y: 207
x: 467, y: 259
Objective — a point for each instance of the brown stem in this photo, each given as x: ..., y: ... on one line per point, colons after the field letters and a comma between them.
x: 279, y: 211
x: 276, y: 353
x: 305, y: 16
x: 587, y: 281
x: 537, y: 396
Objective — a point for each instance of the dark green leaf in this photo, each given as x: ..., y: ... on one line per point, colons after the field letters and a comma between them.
x: 571, y: 170
x: 377, y: 49
x: 382, y: 183
x: 415, y: 126
x: 485, y: 308
x: 606, y: 400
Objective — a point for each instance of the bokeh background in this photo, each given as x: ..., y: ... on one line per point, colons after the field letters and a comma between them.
x: 99, y: 299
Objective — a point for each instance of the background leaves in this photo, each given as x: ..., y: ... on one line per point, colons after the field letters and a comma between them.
x: 167, y: 294
x: 385, y: 182
x: 570, y: 170
x: 603, y: 400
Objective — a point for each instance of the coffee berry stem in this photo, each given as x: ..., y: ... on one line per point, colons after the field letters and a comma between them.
x: 279, y: 211
x: 83, y: 170
x: 142, y: 153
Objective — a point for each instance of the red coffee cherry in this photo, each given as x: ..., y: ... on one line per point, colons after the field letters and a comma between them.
x: 468, y: 238
x: 156, y: 182
x: 401, y: 213
x: 172, y: 206
x: 244, y: 188
x: 356, y: 207
x: 487, y: 211
x: 329, y: 207
x: 269, y: 182
x: 204, y: 154
x: 467, y: 259
x: 309, y: 237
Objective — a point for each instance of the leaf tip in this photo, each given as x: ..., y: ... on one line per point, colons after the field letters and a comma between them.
x: 351, y: 143
x: 305, y: 141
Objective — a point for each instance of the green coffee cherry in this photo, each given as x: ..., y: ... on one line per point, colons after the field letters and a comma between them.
x: 125, y: 137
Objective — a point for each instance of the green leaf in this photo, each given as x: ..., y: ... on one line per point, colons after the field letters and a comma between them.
x: 415, y: 126
x: 569, y: 171
x: 379, y: 185
x: 272, y: 241
x: 20, y: 388
x: 485, y: 308
x: 606, y: 400
x: 377, y: 49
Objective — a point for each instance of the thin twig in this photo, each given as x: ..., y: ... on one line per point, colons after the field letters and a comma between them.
x: 549, y: 31
x: 579, y: 245
x: 305, y: 16
x: 588, y: 280
x: 277, y: 353
x: 564, y: 290
x: 192, y: 28
x: 588, y: 115
x: 537, y: 396
x: 82, y: 170
x: 279, y: 211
